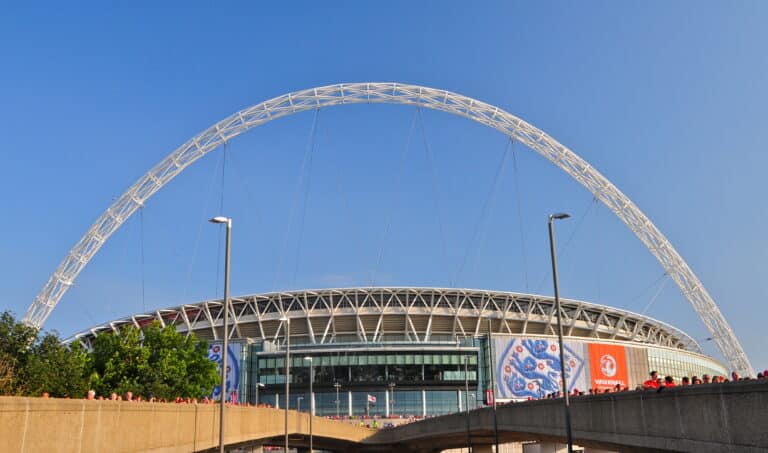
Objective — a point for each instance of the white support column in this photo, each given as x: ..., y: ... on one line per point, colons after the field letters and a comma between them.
x: 461, y: 408
x: 423, y: 403
x: 312, y: 403
x: 386, y: 403
x: 349, y: 402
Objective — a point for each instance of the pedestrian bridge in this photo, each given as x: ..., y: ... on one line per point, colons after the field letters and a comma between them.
x: 703, y: 418
x: 80, y: 426
x: 729, y: 417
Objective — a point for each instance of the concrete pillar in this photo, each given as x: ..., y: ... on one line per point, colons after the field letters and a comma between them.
x: 511, y: 447
x: 349, y: 401
x: 482, y: 448
x: 250, y: 449
x: 386, y: 404
x: 423, y: 403
x: 545, y: 447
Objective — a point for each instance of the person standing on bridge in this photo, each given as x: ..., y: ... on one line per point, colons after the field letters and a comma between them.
x: 653, y: 382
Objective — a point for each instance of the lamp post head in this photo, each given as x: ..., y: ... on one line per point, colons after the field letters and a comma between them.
x: 308, y: 358
x: 285, y: 319
x: 261, y: 384
x: 221, y: 219
x: 558, y: 216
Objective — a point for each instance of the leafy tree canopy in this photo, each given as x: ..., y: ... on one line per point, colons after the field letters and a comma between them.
x: 153, y: 361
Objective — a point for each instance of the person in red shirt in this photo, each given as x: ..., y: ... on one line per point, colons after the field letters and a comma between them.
x: 669, y: 381
x: 652, y: 383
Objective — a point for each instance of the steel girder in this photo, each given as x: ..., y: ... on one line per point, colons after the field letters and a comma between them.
x: 394, y: 93
x: 413, y: 310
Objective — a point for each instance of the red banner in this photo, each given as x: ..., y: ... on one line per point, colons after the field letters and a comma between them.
x: 489, y: 397
x: 607, y: 366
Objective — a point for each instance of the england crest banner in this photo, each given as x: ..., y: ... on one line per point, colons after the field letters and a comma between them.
x: 530, y: 367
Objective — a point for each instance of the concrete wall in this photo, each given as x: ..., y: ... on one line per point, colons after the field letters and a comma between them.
x: 704, y: 418
x: 62, y: 425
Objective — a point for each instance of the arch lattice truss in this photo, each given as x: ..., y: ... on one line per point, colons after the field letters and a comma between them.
x: 393, y: 93
x: 414, y: 315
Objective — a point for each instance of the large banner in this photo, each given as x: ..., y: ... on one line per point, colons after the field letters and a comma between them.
x: 530, y: 367
x: 607, y: 366
x: 233, y: 369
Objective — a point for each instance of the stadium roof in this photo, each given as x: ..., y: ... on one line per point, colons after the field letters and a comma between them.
x: 418, y: 315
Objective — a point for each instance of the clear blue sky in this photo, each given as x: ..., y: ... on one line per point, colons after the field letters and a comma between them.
x: 667, y: 99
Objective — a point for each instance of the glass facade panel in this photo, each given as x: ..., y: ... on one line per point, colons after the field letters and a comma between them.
x: 441, y: 402
x: 406, y: 403
x: 371, y: 373
x: 679, y: 364
x: 325, y: 403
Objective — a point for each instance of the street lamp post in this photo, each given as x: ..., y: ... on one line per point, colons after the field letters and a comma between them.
x: 259, y: 385
x: 493, y: 383
x: 551, y: 226
x: 337, y: 386
x: 228, y: 222
x: 391, y: 386
x: 466, y: 399
x: 311, y: 399
x: 287, y: 321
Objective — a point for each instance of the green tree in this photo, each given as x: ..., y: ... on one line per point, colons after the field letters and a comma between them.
x: 16, y: 338
x: 31, y: 365
x: 7, y: 374
x: 56, y: 368
x: 155, y: 361
x: 119, y: 362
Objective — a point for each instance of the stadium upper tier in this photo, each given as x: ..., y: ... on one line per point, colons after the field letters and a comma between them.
x: 392, y: 314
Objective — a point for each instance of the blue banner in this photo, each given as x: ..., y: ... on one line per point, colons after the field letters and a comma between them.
x: 233, y: 370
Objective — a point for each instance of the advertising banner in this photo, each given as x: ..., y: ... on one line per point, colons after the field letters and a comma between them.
x: 530, y: 367
x: 233, y: 369
x: 607, y: 366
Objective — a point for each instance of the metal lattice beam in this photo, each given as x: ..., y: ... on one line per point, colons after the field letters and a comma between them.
x: 394, y: 93
x: 449, y: 308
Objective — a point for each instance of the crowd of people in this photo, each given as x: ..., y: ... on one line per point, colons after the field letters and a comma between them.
x: 657, y: 383
x: 130, y: 397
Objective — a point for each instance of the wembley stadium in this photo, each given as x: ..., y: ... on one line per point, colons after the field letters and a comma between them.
x: 423, y: 351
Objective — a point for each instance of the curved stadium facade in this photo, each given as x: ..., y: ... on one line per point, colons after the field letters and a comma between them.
x: 416, y: 350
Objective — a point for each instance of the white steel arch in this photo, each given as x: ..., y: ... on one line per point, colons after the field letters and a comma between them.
x: 393, y: 93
